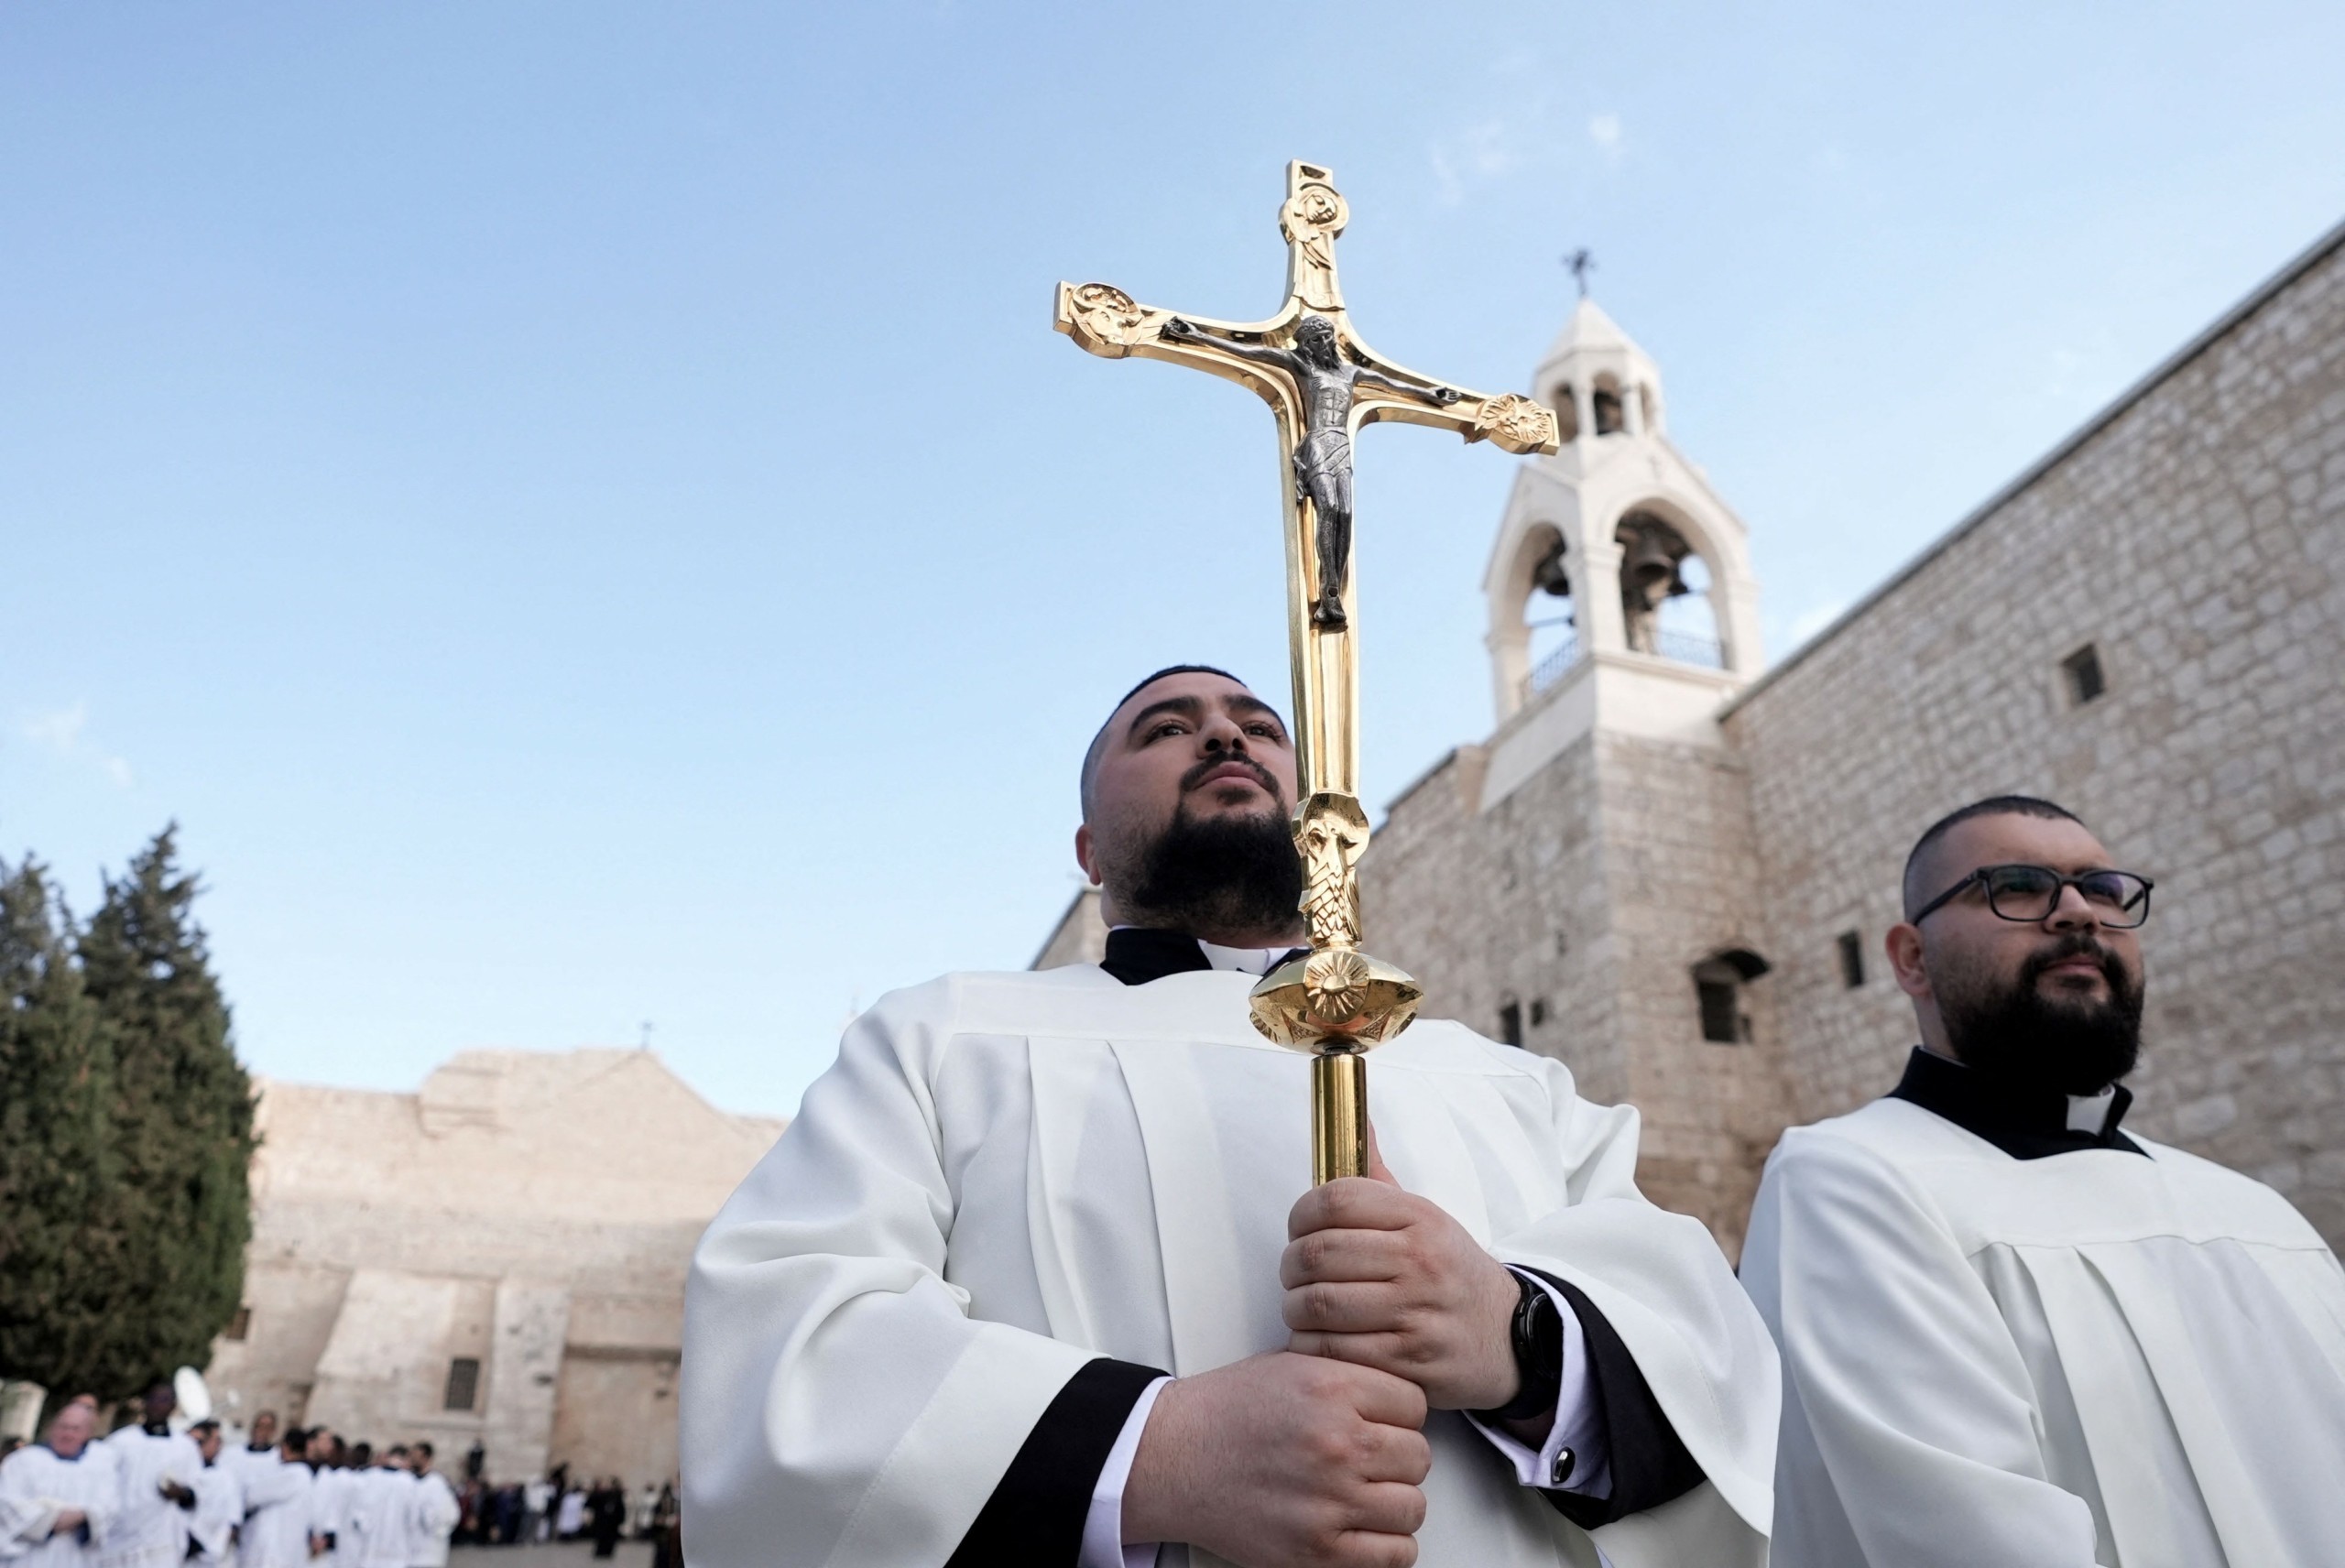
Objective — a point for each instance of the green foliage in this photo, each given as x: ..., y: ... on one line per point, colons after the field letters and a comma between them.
x: 131, y: 1207
x: 58, y: 1157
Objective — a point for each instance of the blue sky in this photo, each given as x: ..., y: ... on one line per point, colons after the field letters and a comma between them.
x: 577, y: 511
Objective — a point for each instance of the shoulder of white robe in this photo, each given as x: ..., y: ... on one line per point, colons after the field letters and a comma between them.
x: 2265, y: 1204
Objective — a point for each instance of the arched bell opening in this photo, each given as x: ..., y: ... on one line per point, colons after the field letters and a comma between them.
x: 1610, y: 416
x: 1667, y: 610
x: 1550, y: 618
x: 1566, y: 406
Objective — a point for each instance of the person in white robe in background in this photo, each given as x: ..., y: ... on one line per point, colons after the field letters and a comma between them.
x: 213, y: 1526
x: 258, y: 1452
x: 435, y: 1513
x: 159, y: 1467
x: 1037, y: 1275
x: 277, y: 1506
x: 2013, y: 1336
x: 382, y: 1514
x: 60, y: 1497
x: 334, y: 1499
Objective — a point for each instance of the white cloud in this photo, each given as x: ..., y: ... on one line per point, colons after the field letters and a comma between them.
x: 1478, y: 154
x: 60, y: 732
x: 65, y: 734
x: 1604, y: 130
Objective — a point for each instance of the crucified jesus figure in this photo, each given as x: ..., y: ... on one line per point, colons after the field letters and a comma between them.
x: 1322, y: 457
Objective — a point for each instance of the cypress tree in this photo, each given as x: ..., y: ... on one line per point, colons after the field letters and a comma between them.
x: 180, y: 1213
x: 58, y: 1159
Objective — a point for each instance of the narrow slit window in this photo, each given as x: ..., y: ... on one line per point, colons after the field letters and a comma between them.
x: 1852, y: 960
x: 463, y: 1384
x: 1510, y: 1022
x: 1718, y: 983
x: 2081, y: 670
x: 239, y: 1325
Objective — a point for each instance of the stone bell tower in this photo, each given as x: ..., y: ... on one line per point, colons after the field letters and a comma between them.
x: 1620, y: 544
x: 1584, y: 882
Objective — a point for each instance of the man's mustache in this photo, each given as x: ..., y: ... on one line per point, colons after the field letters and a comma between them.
x: 2074, y: 945
x: 1260, y: 775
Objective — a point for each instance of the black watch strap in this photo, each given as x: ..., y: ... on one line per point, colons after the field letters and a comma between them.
x: 1537, y: 1332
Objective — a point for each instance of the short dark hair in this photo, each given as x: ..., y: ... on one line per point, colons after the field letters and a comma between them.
x: 1099, y: 745
x: 424, y: 1449
x: 1916, y: 895
x: 206, y: 1424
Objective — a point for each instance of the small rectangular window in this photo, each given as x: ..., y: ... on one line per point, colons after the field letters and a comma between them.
x: 2082, y: 672
x: 1510, y: 1023
x: 463, y: 1384
x: 1852, y: 960
x: 238, y: 1325
x: 1538, y: 1011
x: 1720, y: 1023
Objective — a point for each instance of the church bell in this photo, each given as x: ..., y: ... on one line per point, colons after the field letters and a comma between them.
x: 1550, y: 576
x: 1649, y: 566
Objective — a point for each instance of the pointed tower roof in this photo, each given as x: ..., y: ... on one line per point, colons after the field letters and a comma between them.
x: 1588, y: 328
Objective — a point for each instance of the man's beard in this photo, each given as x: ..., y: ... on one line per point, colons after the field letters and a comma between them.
x: 1222, y: 873
x: 2025, y: 1039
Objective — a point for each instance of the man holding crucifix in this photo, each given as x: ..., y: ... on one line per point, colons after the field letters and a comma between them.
x: 1029, y: 1280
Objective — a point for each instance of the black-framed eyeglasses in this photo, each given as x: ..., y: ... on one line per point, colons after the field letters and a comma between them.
x: 2030, y: 893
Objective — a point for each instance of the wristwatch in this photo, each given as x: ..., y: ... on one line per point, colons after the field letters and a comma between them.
x: 1537, y: 1331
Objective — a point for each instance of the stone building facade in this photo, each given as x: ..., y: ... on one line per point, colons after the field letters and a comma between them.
x: 1673, y: 869
x: 498, y: 1258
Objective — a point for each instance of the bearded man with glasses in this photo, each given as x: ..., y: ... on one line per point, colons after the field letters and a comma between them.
x: 2012, y: 1333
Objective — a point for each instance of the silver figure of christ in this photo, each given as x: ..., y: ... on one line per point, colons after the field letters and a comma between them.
x: 1322, y: 457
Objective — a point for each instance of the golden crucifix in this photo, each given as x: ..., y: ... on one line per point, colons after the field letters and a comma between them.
x: 1323, y: 384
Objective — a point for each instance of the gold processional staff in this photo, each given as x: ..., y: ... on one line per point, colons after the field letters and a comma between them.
x: 1323, y: 384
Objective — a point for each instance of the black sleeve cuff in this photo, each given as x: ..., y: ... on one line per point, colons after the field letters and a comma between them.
x: 1037, y: 1510
x: 1650, y: 1464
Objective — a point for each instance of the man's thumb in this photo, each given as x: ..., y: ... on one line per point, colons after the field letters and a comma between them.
x: 1376, y: 1170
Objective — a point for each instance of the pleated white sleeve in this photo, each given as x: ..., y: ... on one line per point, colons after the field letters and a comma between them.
x: 839, y: 1405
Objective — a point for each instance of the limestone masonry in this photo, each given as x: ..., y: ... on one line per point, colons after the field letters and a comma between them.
x: 1673, y: 871
x: 498, y: 1258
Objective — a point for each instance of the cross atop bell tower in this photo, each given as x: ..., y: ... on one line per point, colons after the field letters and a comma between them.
x: 1618, y: 572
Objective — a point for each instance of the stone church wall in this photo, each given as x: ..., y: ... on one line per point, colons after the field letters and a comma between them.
x: 1582, y: 900
x: 2195, y: 537
x: 531, y: 1212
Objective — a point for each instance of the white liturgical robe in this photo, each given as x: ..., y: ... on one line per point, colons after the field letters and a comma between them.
x: 277, y: 1509
x: 2093, y: 1356
x: 436, y: 1512
x: 219, y: 1511
x: 36, y: 1485
x: 1006, y: 1175
x: 151, y: 1531
x: 383, y: 1520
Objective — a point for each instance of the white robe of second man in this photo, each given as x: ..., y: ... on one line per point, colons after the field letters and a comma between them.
x: 2090, y: 1358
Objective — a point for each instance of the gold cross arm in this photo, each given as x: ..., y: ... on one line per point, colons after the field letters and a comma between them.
x: 1108, y: 321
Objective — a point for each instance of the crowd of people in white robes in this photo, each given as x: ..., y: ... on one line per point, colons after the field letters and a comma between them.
x: 149, y: 1497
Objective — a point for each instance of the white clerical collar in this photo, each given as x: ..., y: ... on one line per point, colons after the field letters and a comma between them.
x: 1243, y: 960
x: 2089, y: 1112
